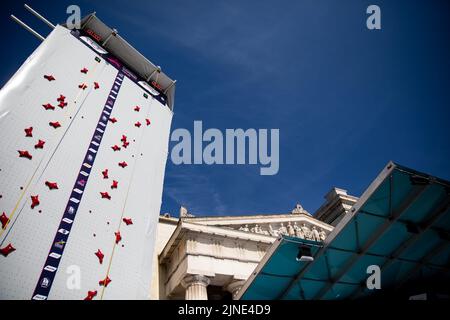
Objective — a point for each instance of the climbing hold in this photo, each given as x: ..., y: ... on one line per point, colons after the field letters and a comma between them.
x: 34, y: 201
x: 124, y: 138
x: 39, y: 144
x: 48, y: 106
x: 115, y: 147
x: 105, y: 281
x: 123, y: 164
x: 91, y: 295
x: 113, y: 120
x: 115, y: 184
x: 84, y: 70
x: 125, y: 144
x: 127, y: 221
x: 105, y: 174
x: 137, y: 124
x: 137, y: 108
x: 61, y: 98
x: 4, y: 220
x: 100, y: 256
x: 105, y: 195
x: 62, y: 104
x: 96, y: 85
x: 54, y: 124
x: 7, y: 250
x: 82, y: 86
x: 25, y: 154
x: 28, y: 132
x: 51, y: 185
x: 49, y: 77
x: 118, y: 236
x: 147, y: 121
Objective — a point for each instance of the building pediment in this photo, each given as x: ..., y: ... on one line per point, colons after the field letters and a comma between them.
x: 298, y: 223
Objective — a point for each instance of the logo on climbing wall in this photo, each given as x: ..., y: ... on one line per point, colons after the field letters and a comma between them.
x: 60, y: 244
x: 81, y: 182
x: 45, y: 283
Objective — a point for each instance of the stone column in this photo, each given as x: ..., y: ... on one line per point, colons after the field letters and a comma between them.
x: 195, y: 286
x: 234, y: 287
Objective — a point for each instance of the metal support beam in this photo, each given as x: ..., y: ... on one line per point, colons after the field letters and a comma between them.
x: 415, y: 194
x: 114, y: 32
x: 433, y: 265
x: 158, y: 69
x: 39, y: 16
x: 88, y: 20
x: 28, y: 28
x: 170, y: 86
x: 403, y: 221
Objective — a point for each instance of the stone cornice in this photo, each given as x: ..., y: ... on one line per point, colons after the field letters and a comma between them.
x: 259, y: 219
x: 184, y: 227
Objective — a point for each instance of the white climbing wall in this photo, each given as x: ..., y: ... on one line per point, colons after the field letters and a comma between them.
x: 105, y: 119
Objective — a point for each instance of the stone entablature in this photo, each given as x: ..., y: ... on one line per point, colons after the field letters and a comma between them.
x: 299, y: 223
x: 222, y: 252
x: 292, y: 229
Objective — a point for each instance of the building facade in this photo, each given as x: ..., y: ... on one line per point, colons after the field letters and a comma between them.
x: 200, y: 258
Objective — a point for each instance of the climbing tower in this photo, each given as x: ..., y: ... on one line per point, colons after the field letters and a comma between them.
x: 85, y: 124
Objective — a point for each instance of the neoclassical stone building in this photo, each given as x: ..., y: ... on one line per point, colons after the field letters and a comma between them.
x: 211, y: 257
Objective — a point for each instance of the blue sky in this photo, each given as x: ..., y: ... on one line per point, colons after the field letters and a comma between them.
x: 346, y: 100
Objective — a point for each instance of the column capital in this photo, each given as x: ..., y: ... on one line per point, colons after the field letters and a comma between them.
x: 234, y: 287
x: 197, y: 279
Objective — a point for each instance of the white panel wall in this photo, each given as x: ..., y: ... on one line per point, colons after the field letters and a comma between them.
x: 138, y: 196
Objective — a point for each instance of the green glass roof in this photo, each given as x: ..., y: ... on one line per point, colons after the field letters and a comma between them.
x: 401, y: 223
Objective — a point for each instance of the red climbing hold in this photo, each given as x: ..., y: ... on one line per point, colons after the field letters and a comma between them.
x: 48, y: 106
x: 115, y: 184
x: 105, y: 174
x: 137, y: 108
x: 115, y: 147
x: 28, y: 132
x: 49, y: 77
x: 4, y: 220
x: 105, y: 195
x: 84, y: 70
x: 82, y: 86
x: 113, y: 120
x: 61, y: 98
x: 54, y: 124
x: 124, y: 138
x: 25, y: 154
x: 62, y: 104
x: 105, y: 281
x: 34, y: 201
x: 91, y: 295
x: 96, y: 85
x: 39, y: 144
x: 7, y: 250
x: 127, y: 221
x: 147, y: 121
x: 125, y: 144
x: 123, y: 164
x: 118, y: 236
x: 137, y: 124
x: 51, y: 185
x: 100, y: 256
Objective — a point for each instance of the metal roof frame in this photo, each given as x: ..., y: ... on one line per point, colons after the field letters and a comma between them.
x: 415, y: 231
x: 135, y: 61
